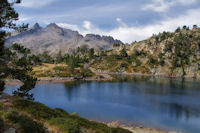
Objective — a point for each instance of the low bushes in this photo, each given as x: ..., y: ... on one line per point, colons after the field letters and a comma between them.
x: 65, y: 124
x: 36, y: 109
x: 60, y: 112
x: 25, y: 124
x: 61, y: 119
x: 1, y: 125
x: 86, y: 73
x: 97, y: 127
x: 1, y: 120
x: 60, y: 68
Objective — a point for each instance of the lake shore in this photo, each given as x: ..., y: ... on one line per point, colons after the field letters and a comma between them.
x: 5, y: 98
x: 58, y: 80
x: 100, y: 77
x: 134, y: 129
x: 137, y: 129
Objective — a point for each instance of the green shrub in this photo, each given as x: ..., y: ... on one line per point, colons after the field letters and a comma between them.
x: 152, y: 61
x: 1, y: 125
x: 86, y: 73
x: 26, y: 124
x: 135, y: 69
x: 36, y: 109
x: 124, y: 64
x: 60, y: 112
x: 61, y: 119
x: 39, y: 110
x: 64, y: 74
x: 198, y: 66
x: 97, y: 127
x: 1, y: 106
x: 138, y: 62
x: 60, y: 68
x: 42, y: 75
x: 116, y: 45
x: 66, y: 124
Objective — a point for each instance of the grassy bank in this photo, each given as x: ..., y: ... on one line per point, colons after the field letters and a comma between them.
x: 34, y: 117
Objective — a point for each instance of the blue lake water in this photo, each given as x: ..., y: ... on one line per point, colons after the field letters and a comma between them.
x: 162, y: 103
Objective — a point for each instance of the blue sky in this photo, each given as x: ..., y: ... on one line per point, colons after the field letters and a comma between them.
x: 127, y: 20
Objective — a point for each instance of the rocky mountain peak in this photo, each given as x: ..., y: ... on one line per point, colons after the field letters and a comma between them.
x: 36, y: 26
x: 53, y: 38
x: 93, y: 36
x: 53, y: 25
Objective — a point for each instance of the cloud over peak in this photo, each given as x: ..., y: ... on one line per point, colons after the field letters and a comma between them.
x: 129, y: 34
x: 128, y: 20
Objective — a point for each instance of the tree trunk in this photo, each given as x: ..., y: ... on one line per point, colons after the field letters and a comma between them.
x: 183, y: 69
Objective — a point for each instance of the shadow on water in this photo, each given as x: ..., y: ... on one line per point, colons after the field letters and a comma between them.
x: 71, y: 87
x: 173, y: 91
x: 177, y: 111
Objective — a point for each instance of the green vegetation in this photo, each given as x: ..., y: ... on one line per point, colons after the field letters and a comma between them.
x: 26, y: 124
x: 123, y: 53
x: 60, y: 68
x: 181, y: 51
x: 62, y: 120
x: 37, y: 110
x: 34, y: 117
x: 15, y: 62
x: 67, y: 125
x: 1, y: 125
x: 163, y: 53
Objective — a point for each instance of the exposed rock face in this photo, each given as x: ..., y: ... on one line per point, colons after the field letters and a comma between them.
x: 54, y: 39
x: 164, y: 50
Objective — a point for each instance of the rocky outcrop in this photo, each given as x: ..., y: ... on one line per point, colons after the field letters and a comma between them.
x: 53, y: 38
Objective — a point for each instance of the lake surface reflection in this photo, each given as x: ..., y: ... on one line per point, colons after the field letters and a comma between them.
x: 155, y: 102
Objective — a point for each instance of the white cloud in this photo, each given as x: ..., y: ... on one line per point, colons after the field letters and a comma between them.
x: 87, y: 25
x: 68, y: 26
x: 129, y: 34
x: 158, y: 6
x: 34, y: 3
x: 23, y: 18
x: 165, y: 5
x: 186, y: 2
x: 119, y: 20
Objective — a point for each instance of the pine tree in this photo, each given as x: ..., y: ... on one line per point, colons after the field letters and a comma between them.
x: 123, y: 53
x: 15, y: 61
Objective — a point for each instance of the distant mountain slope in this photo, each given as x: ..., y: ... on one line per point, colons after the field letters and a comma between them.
x: 54, y: 39
x: 174, y: 54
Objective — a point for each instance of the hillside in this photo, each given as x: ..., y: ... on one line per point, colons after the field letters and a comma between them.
x: 23, y: 116
x: 170, y: 54
x: 53, y: 38
x: 174, y: 54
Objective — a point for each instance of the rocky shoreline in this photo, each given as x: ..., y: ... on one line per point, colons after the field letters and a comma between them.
x: 137, y: 129
x: 103, y: 76
x: 59, y: 80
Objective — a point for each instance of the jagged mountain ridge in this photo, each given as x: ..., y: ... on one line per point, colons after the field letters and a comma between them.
x: 53, y: 38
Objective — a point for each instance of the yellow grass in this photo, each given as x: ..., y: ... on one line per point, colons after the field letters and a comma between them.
x: 45, y: 68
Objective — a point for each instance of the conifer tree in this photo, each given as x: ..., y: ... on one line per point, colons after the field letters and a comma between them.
x: 15, y: 61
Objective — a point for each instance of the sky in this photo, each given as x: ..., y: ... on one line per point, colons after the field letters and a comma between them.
x: 126, y: 20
